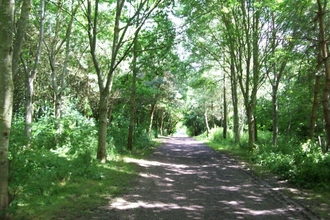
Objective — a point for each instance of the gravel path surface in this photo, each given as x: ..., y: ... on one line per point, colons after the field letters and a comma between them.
x: 184, y: 179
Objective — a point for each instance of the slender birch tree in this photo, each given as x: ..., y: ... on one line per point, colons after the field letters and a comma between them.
x: 6, y: 96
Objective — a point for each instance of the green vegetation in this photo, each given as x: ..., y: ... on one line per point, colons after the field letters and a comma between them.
x: 303, y: 164
x: 62, y: 178
x: 100, y: 79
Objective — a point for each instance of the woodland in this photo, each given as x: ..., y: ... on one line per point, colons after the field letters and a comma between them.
x: 83, y: 83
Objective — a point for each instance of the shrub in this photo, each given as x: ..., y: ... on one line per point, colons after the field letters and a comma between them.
x: 301, y: 163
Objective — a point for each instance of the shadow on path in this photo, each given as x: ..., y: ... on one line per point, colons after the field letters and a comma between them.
x: 184, y: 179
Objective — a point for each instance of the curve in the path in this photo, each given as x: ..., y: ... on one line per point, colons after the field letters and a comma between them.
x: 184, y: 179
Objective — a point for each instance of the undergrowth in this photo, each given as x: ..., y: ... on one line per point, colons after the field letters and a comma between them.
x: 301, y: 163
x: 57, y: 174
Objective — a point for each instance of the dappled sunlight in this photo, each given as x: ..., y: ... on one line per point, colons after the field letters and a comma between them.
x: 262, y: 212
x: 146, y: 163
x: 123, y: 204
x: 184, y: 179
x: 147, y: 175
x: 231, y: 188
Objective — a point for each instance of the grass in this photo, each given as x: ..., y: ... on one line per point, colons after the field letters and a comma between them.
x: 77, y: 196
x: 50, y: 186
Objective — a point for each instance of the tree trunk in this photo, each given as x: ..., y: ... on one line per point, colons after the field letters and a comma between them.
x: 110, y: 109
x: 225, y: 109
x: 256, y: 77
x: 275, y: 115
x: 206, y: 121
x: 28, y: 106
x: 157, y: 123
x: 57, y: 96
x: 30, y: 76
x: 132, y: 106
x: 6, y: 97
x: 275, y: 83
x: 162, y: 119
x: 234, y: 95
x: 103, y: 124
x: 325, y: 58
x: 251, y: 126
x: 152, y: 111
x: 314, y: 107
x: 20, y: 32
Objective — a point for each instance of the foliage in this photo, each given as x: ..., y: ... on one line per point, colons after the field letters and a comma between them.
x: 54, y: 169
x: 188, y: 65
x: 303, y: 164
x: 48, y: 176
x: 195, y: 123
x: 46, y: 184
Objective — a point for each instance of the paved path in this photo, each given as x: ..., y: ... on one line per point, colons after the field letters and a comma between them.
x: 184, y: 179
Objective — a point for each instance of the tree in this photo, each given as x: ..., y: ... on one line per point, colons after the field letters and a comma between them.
x: 133, y: 87
x: 153, y: 64
x: 121, y: 44
x: 59, y: 37
x: 6, y: 96
x: 324, y: 51
x: 30, y: 74
x: 278, y: 55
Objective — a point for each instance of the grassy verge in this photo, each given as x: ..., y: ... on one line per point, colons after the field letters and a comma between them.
x: 76, y: 196
x: 60, y: 187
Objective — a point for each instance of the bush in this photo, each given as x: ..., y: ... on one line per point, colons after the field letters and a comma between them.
x: 301, y: 163
x: 304, y: 165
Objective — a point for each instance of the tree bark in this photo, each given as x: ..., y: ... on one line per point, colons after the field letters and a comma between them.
x: 234, y: 69
x: 28, y: 105
x: 30, y: 76
x: 233, y: 81
x: 20, y: 32
x: 152, y: 112
x: 206, y: 120
x: 325, y: 58
x: 162, y: 121
x: 103, y: 124
x: 251, y: 125
x: 6, y: 97
x: 225, y: 109
x: 132, y: 98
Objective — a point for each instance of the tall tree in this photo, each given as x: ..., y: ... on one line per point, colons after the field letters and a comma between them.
x: 324, y: 51
x: 133, y: 87
x: 278, y: 55
x: 30, y: 75
x: 59, y: 37
x: 121, y: 44
x: 6, y: 96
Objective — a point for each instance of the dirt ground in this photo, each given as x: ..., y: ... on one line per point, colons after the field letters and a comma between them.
x: 184, y: 179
